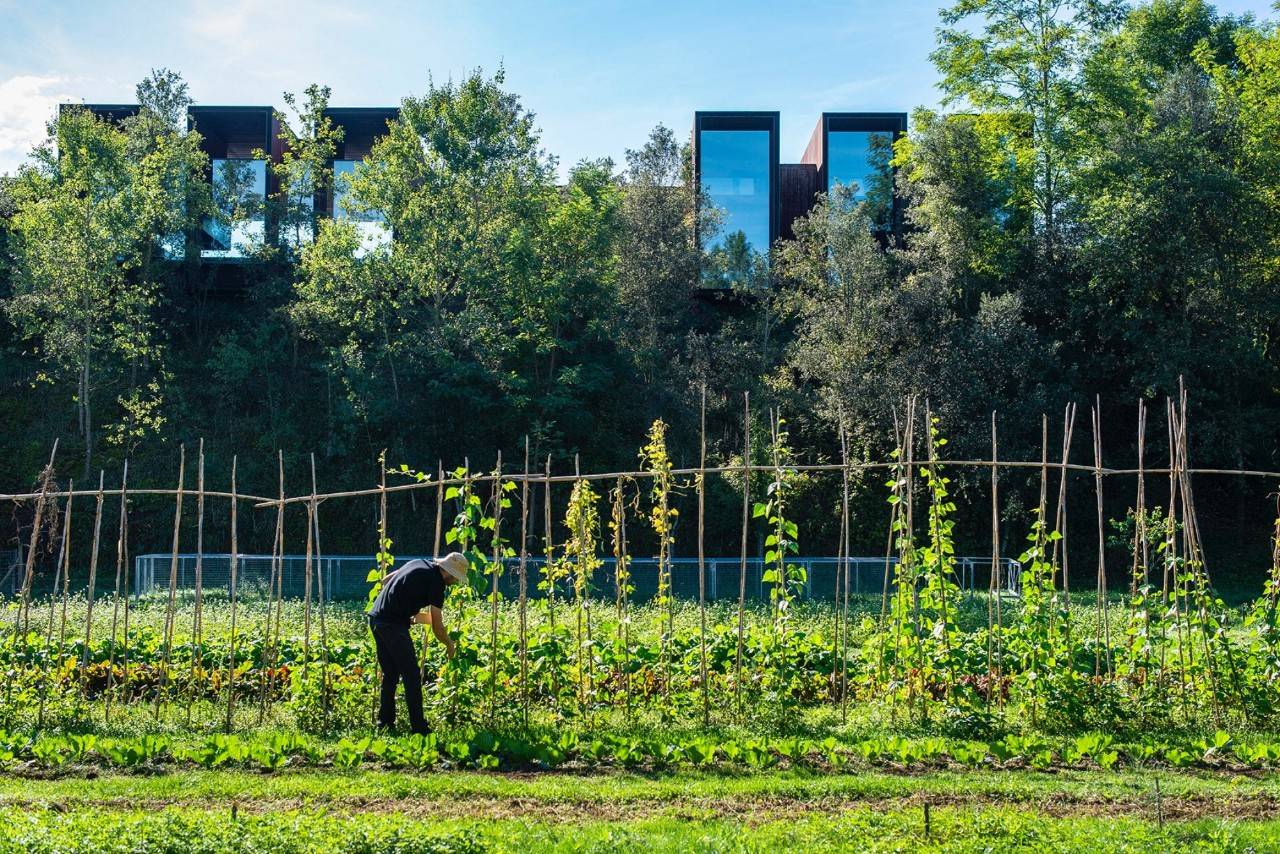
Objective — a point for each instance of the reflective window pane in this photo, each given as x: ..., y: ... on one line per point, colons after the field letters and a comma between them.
x: 239, y: 191
x: 861, y: 159
x: 370, y: 225
x: 736, y: 179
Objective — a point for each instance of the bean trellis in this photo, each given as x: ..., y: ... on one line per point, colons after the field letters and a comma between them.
x: 915, y: 654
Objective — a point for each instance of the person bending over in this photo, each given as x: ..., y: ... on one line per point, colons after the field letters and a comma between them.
x: 414, y: 593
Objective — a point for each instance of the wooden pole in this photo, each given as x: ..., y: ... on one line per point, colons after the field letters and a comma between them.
x: 382, y: 549
x: 93, y: 581
x: 702, y: 563
x: 66, y: 590
x: 325, y: 695
x: 524, y: 589
x: 842, y: 609
x: 1139, y: 574
x: 435, y: 555
x: 622, y: 577
x: 996, y: 588
x: 235, y: 558
x: 495, y: 571
x: 1068, y: 429
x: 46, y: 480
x: 275, y: 592
x: 1103, y: 604
x: 115, y: 611
x: 746, y: 522
x: 197, y: 619
x: 899, y: 479
x: 306, y: 589
x: 62, y: 568
x: 170, y: 605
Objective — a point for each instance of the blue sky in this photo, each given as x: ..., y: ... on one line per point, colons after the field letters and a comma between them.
x: 599, y: 75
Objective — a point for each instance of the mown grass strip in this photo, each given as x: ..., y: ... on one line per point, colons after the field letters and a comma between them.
x: 208, y: 831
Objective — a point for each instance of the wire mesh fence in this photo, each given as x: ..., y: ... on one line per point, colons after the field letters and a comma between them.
x: 344, y: 576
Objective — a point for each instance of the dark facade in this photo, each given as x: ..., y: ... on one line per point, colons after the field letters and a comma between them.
x: 233, y: 137
x: 854, y: 150
x: 748, y: 200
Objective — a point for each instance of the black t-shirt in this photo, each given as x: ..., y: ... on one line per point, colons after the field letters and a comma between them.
x: 407, y: 591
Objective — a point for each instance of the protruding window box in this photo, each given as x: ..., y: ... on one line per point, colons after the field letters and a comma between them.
x: 735, y: 161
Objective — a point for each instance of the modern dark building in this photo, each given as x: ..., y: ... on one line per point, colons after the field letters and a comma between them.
x: 233, y: 137
x: 241, y: 182
x: 855, y: 149
x: 748, y: 200
x: 735, y: 165
x: 361, y: 127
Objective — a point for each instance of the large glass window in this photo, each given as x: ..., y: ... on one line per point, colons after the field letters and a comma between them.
x: 370, y: 225
x: 861, y: 159
x: 239, y: 193
x: 736, y: 177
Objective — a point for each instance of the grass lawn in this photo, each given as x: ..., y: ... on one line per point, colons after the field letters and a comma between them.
x: 373, y: 811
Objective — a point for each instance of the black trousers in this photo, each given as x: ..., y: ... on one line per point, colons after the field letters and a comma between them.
x: 399, y: 662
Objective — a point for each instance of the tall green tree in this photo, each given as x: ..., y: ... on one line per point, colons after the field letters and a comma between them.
x: 93, y: 212
x: 1027, y: 57
x: 494, y: 298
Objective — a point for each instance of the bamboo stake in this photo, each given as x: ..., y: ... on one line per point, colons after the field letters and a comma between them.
x: 197, y: 624
x: 746, y: 521
x: 996, y: 591
x: 934, y: 512
x: 93, y: 581
x: 275, y: 593
x: 62, y: 568
x: 435, y: 555
x: 842, y: 612
x: 1103, y: 604
x: 435, y: 543
x: 169, y: 612
x: 622, y: 578
x: 702, y: 564
x: 115, y: 611
x: 579, y: 537
x: 494, y: 572
x: 66, y: 588
x: 907, y: 553
x: 306, y: 590
x: 1140, y: 572
x: 524, y: 590
x: 894, y: 516
x: 382, y: 549
x: 1171, y: 556
x: 46, y: 480
x: 549, y: 576
x: 1068, y: 429
x: 324, y: 632
x: 1139, y: 575
x: 1199, y: 567
x: 235, y: 557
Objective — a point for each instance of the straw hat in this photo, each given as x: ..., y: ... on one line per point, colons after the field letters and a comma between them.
x: 454, y: 564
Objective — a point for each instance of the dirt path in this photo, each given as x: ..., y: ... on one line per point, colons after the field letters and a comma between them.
x: 746, y: 809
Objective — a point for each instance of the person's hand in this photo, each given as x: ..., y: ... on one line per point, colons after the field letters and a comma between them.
x: 451, y: 647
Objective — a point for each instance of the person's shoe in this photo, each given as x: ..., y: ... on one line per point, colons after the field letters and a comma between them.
x: 422, y: 730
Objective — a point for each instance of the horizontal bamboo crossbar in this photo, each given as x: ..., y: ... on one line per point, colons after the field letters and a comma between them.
x: 260, y: 502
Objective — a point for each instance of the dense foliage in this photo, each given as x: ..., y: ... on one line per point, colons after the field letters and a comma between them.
x: 1095, y: 214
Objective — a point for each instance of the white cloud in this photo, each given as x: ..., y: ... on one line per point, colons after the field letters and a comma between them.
x: 27, y: 103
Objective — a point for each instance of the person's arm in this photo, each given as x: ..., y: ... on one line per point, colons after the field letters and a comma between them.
x: 438, y: 629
